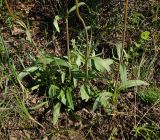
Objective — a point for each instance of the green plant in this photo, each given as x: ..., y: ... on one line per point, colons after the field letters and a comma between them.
x: 4, y: 54
x: 124, y: 83
x: 24, y: 111
x: 148, y: 132
x: 51, y: 72
x: 150, y: 95
x: 87, y: 40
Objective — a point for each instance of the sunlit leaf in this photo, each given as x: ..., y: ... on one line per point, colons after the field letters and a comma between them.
x: 131, y: 83
x: 63, y: 76
x: 102, y: 100
x: 75, y: 81
x: 74, y: 7
x: 39, y: 105
x: 145, y: 35
x: 101, y: 64
x: 85, y: 91
x: 35, y: 87
x: 52, y: 91
x: 56, y: 113
x: 78, y: 60
x: 123, y: 73
x: 63, y: 97
x: 27, y: 72
x: 118, y: 48
x: 55, y: 22
x: 69, y: 98
x: 56, y: 61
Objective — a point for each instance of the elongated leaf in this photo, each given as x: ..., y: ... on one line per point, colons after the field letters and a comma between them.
x: 63, y: 76
x: 21, y: 23
x: 56, y: 113
x: 78, y: 60
x: 74, y: 7
x: 55, y: 23
x: 69, y: 98
x: 101, y: 64
x: 39, y: 105
x: 32, y: 69
x: 131, y: 83
x: 61, y: 62
x: 102, y: 99
x: 123, y: 73
x: 119, y: 47
x: 27, y: 72
x: 45, y: 60
x: 85, y: 91
x: 35, y: 87
x: 22, y: 75
x: 52, y: 91
x: 63, y: 97
x: 75, y: 81
x: 54, y: 61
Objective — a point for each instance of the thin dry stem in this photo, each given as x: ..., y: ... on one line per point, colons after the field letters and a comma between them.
x: 87, y: 40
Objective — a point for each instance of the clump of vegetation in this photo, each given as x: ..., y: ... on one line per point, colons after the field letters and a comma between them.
x: 76, y: 67
x: 150, y: 95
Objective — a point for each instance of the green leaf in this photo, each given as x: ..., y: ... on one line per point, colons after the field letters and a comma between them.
x: 145, y: 35
x: 74, y: 7
x: 22, y: 24
x: 39, y: 105
x: 96, y: 104
x: 123, y: 73
x: 52, y: 91
x: 78, y: 74
x: 103, y: 100
x: 32, y: 69
x: 101, y: 64
x: 35, y: 87
x: 27, y: 71
x: 63, y: 76
x: 63, y: 97
x: 55, y: 22
x: 138, y: 45
x: 56, y: 112
x: 118, y: 48
x: 61, y: 62
x: 78, y: 60
x: 69, y: 98
x: 131, y: 83
x: 85, y: 91
x: 75, y: 81
x: 55, y: 61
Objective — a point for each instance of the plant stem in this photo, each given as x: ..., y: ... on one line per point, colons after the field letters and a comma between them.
x: 115, y: 96
x: 87, y: 41
x: 67, y: 40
